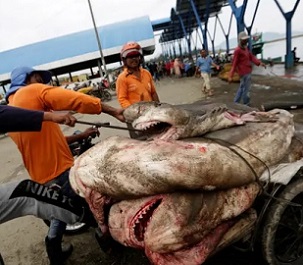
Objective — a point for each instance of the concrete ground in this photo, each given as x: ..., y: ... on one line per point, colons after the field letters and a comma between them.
x: 22, y: 240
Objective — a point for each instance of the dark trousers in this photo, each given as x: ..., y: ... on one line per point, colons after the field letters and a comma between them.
x: 57, y: 227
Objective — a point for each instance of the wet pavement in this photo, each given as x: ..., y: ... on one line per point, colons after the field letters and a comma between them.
x: 295, y: 73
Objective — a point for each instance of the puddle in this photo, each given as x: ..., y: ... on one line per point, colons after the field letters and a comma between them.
x: 295, y: 73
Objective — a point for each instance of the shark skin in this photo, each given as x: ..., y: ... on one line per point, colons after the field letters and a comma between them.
x: 177, y: 195
x: 125, y: 168
x: 170, y: 122
x: 167, y: 226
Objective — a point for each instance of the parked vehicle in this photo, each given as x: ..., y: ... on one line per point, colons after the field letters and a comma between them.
x: 112, y: 86
x: 1, y: 260
x: 99, y: 90
x: 278, y: 230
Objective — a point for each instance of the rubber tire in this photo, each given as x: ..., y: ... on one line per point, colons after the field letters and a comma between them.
x: 106, y: 96
x: 1, y: 260
x: 112, y: 86
x: 274, y: 216
x: 97, y: 94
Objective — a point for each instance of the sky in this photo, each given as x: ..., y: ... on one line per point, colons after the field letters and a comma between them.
x: 28, y: 21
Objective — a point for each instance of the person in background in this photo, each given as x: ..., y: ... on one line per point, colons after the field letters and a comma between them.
x: 167, y: 68
x: 150, y: 68
x: 29, y: 90
x: 177, y: 67
x: 294, y: 53
x: 182, y: 67
x: 204, y: 63
x: 135, y: 83
x: 156, y: 71
x: 172, y: 61
x: 242, y: 63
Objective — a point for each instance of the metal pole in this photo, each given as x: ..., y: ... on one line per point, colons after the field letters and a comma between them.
x: 98, y: 41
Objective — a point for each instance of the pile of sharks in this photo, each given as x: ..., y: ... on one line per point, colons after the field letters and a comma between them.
x: 179, y: 192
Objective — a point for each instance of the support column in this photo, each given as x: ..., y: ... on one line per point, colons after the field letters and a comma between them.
x: 213, y: 38
x: 174, y: 50
x: 184, y: 33
x: 226, y: 35
x: 4, y: 90
x: 180, y: 48
x: 189, y: 46
x: 239, y: 14
x: 289, y: 59
x: 203, y: 30
x: 70, y: 77
x: 57, y: 81
x: 171, y: 51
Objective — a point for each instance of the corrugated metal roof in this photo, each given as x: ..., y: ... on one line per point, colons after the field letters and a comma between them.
x: 184, y: 10
x: 74, y: 49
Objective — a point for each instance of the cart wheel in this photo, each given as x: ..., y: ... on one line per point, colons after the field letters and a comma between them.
x: 1, y: 260
x: 107, y: 96
x: 112, y: 86
x: 282, y: 237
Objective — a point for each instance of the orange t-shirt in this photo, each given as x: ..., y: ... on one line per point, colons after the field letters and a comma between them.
x: 131, y: 89
x: 46, y: 153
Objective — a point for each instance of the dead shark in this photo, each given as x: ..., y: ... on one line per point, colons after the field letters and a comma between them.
x: 178, y: 228
x: 176, y: 122
x: 168, y: 222
x: 125, y: 168
x: 176, y: 199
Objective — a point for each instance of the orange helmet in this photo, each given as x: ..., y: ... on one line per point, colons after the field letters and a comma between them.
x: 131, y: 48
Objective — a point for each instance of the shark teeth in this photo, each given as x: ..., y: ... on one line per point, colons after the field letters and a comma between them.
x: 143, y: 218
x: 146, y: 125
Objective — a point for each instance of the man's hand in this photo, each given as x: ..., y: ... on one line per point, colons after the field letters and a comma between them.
x: 119, y: 115
x: 230, y: 79
x: 263, y: 64
x: 197, y: 73
x: 66, y: 118
x: 91, y: 131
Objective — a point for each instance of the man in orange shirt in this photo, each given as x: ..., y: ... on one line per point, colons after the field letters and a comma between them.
x: 46, y: 154
x: 135, y: 83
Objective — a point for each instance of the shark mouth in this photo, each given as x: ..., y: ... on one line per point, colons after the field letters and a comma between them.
x: 143, y: 217
x: 153, y: 129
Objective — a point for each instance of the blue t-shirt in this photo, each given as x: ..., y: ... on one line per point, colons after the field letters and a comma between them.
x: 204, y: 64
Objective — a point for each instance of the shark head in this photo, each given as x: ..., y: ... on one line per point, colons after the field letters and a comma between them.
x: 158, y: 120
x: 171, y: 122
x: 168, y: 223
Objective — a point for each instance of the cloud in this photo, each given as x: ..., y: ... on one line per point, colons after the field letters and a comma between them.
x: 25, y: 22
